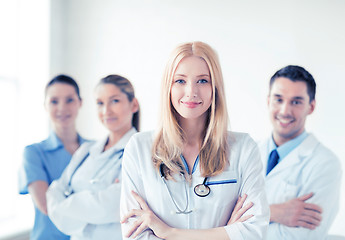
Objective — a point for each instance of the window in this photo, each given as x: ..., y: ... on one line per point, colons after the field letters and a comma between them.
x: 24, y: 67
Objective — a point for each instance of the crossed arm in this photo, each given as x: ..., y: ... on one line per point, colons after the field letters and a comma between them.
x: 37, y: 190
x: 297, y: 213
x: 309, y: 215
x: 148, y: 219
x: 139, y: 176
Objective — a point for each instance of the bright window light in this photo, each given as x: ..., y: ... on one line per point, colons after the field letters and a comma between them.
x: 24, y: 70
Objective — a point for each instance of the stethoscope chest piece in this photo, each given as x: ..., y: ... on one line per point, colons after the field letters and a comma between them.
x: 68, y: 192
x: 202, y: 190
x: 94, y: 181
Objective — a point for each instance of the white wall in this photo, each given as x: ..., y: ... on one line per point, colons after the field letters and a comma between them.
x: 91, y: 39
x: 24, y: 70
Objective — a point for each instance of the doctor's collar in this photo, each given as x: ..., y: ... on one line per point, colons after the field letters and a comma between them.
x: 121, y: 144
x: 286, y: 148
x: 53, y: 142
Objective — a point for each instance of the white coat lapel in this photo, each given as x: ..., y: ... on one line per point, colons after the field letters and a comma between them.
x: 263, y: 147
x: 297, y: 155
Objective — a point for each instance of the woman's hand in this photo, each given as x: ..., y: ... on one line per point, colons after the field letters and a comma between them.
x: 239, y: 210
x: 146, y: 219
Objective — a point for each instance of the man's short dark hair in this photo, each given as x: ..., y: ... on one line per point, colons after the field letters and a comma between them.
x: 297, y: 73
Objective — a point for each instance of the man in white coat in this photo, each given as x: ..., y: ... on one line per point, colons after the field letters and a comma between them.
x: 302, y: 176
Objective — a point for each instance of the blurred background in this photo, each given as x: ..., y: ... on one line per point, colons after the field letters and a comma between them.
x: 90, y: 39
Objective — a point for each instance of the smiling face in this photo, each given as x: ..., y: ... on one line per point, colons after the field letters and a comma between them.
x: 191, y: 90
x: 115, y: 111
x: 289, y: 105
x: 62, y: 103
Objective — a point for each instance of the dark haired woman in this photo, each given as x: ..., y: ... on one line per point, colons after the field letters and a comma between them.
x: 45, y: 161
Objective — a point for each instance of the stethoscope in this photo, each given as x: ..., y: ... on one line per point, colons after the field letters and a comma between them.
x: 94, y: 179
x: 201, y: 190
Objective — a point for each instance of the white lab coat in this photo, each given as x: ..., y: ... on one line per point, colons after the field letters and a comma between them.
x: 92, y: 211
x: 310, y: 167
x: 214, y: 210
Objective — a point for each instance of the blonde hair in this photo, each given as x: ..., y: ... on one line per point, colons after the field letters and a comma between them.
x: 168, y: 144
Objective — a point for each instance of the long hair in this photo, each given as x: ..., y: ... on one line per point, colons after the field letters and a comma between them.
x: 126, y: 87
x: 168, y: 144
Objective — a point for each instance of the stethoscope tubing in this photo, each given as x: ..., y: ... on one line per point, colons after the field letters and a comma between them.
x: 69, y: 190
x: 196, y: 191
x: 93, y: 180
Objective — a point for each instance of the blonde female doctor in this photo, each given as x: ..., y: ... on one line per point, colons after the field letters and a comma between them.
x: 193, y: 179
x: 84, y: 202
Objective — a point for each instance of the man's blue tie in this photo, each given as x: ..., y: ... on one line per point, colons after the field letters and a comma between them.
x: 272, y: 160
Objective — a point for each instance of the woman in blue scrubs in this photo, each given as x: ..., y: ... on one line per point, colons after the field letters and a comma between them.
x: 45, y: 161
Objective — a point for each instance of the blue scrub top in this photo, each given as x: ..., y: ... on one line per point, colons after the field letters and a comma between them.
x: 44, y: 161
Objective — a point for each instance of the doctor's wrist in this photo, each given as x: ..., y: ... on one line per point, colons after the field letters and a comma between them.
x: 275, y: 213
x: 171, y: 233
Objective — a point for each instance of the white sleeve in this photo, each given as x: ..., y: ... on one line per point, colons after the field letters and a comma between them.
x: 324, y: 181
x: 254, y: 186
x: 55, y: 196
x: 131, y: 181
x: 96, y: 207
x: 73, y: 213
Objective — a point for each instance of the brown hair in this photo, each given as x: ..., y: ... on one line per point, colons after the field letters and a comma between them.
x: 126, y: 87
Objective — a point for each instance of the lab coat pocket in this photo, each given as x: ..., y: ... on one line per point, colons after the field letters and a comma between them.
x: 289, y: 191
x: 224, y: 187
